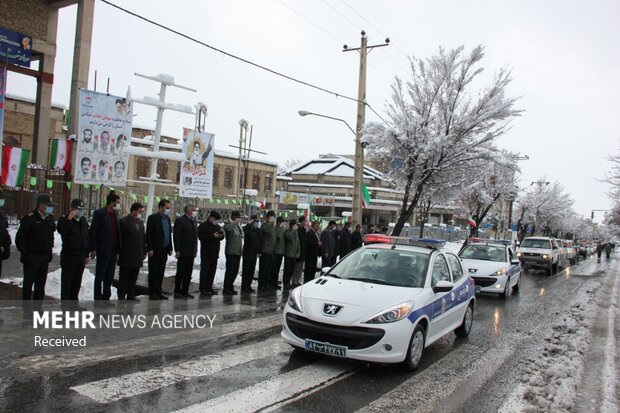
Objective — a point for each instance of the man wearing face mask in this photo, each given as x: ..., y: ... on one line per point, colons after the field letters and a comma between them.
x: 131, y: 257
x: 35, y: 240
x: 105, y: 244
x: 251, y: 249
x: 268, y: 248
x: 159, y: 247
x: 278, y: 258
x: 234, y: 249
x: 185, y: 246
x: 210, y: 235
x: 73, y: 228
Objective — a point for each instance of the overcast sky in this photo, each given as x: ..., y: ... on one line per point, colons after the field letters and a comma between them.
x: 563, y: 55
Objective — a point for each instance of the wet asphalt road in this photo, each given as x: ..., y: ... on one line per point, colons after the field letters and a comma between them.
x: 241, y: 365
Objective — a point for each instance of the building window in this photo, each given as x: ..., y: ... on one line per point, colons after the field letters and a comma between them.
x: 162, y: 169
x: 142, y: 168
x: 255, y: 180
x: 228, y: 177
x: 267, y: 182
x: 242, y: 179
x: 216, y: 175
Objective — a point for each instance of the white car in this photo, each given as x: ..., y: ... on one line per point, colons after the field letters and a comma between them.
x: 493, y: 266
x: 383, y: 303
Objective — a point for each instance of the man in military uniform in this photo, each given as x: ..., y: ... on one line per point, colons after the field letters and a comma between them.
x: 268, y: 248
x: 35, y: 240
x: 73, y: 228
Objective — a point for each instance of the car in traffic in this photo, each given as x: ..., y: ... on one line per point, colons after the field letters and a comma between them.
x: 539, y: 253
x: 385, y: 302
x: 570, y: 251
x: 493, y: 266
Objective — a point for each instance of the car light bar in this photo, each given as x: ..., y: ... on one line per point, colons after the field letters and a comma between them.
x: 490, y: 241
x: 419, y: 242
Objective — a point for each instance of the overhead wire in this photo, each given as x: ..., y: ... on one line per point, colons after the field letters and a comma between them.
x: 239, y: 58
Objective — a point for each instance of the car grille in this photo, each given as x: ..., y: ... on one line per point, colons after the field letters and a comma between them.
x: 531, y: 254
x: 354, y: 338
x: 484, y: 282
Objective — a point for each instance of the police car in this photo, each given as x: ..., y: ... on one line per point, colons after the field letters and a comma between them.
x: 385, y: 302
x: 493, y: 266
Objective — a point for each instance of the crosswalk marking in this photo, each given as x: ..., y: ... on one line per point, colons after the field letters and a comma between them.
x: 276, y: 390
x: 129, y: 385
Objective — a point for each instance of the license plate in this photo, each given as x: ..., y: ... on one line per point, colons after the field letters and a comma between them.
x: 478, y: 288
x: 326, y: 348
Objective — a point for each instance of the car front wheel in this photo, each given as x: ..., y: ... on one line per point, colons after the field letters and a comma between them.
x: 416, y: 348
x: 468, y: 319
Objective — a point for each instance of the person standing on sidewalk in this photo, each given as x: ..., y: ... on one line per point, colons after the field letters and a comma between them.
x: 268, y: 247
x: 291, y: 253
x: 5, y: 238
x: 234, y: 249
x: 105, y: 245
x: 313, y: 251
x: 35, y: 240
x: 133, y: 253
x: 73, y: 229
x: 328, y: 246
x: 299, y: 261
x: 345, y: 240
x: 251, y: 249
x: 186, y: 247
x: 210, y: 235
x: 278, y: 257
x: 159, y: 247
x: 356, y: 238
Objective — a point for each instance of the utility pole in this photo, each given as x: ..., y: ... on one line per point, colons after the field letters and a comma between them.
x: 245, y: 149
x: 358, y: 175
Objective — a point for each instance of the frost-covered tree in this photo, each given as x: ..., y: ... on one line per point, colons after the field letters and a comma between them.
x: 543, y: 208
x: 436, y: 122
x: 489, y: 182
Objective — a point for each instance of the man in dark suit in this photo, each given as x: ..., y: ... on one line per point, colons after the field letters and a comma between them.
x: 328, y: 245
x: 105, y: 244
x: 186, y: 247
x: 210, y: 235
x: 345, y: 240
x: 159, y: 247
x: 299, y: 261
x: 313, y: 251
x: 356, y: 238
x: 131, y: 257
x: 251, y: 249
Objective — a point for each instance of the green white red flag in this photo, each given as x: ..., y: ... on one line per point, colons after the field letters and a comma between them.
x: 60, y: 154
x: 365, y: 196
x: 14, y: 162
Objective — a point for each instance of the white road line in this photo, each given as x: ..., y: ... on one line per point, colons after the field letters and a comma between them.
x: 275, y: 391
x: 609, y: 369
x: 129, y: 385
x: 134, y: 347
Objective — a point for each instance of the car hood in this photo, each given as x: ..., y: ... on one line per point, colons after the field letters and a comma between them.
x: 535, y: 250
x: 359, y: 300
x: 482, y: 268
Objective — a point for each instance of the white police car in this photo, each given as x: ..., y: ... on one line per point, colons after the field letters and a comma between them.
x: 382, y: 303
x: 493, y: 266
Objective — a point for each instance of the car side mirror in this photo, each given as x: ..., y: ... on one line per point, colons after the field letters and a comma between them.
x: 515, y: 262
x: 443, y: 287
x: 324, y: 270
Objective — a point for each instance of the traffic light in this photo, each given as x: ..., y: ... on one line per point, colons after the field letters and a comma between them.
x: 592, y: 215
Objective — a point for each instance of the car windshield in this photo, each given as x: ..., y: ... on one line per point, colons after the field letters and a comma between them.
x: 383, y: 266
x: 535, y: 243
x: 484, y: 252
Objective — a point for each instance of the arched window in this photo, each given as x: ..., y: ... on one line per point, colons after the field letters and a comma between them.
x: 267, y: 182
x: 255, y: 180
x: 228, y: 177
x: 162, y: 168
x: 216, y: 175
x: 142, y: 167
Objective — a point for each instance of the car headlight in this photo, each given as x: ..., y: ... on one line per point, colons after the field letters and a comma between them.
x: 398, y: 312
x: 519, y: 254
x: 294, y: 299
x: 501, y: 271
x: 545, y: 256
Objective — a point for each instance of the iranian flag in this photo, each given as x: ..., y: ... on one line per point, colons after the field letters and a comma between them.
x: 60, y: 154
x: 14, y: 161
x: 365, y: 196
x: 471, y: 222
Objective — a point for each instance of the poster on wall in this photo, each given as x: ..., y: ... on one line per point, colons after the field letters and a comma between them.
x: 15, y: 48
x: 104, y: 133
x: 197, y: 169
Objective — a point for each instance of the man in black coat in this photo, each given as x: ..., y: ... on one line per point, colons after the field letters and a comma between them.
x: 299, y: 261
x: 328, y: 245
x: 159, y: 247
x: 131, y: 257
x: 210, y: 235
x: 73, y: 229
x: 313, y: 251
x: 345, y: 240
x: 35, y: 240
x: 251, y: 249
x: 186, y: 247
x: 105, y: 243
x: 356, y: 238
x: 5, y: 238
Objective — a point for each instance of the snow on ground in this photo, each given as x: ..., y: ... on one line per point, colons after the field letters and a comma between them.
x: 550, y: 380
x: 52, y: 285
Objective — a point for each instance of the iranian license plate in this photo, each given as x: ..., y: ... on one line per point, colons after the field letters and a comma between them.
x: 478, y: 288
x: 326, y: 348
